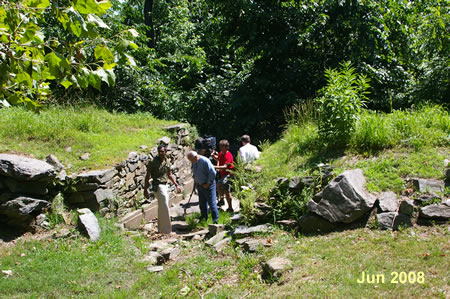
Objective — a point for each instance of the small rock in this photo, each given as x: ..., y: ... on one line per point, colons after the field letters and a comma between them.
x: 388, y: 202
x: 406, y: 207
x: 164, y: 140
x: 158, y: 246
x: 201, y: 233
x: 236, y: 218
x: 216, y: 239
x: 89, y: 223
x: 170, y: 253
x: 446, y: 162
x: 68, y: 149
x: 392, y: 220
x: 52, y: 160
x: 214, y: 229
x: 133, y: 157
x: 242, y: 231
x: 198, y: 238
x: 40, y: 219
x: 275, y: 267
x: 85, y: 156
x: 155, y: 269
x: 153, y: 258
x: 149, y: 227
x: 62, y: 234
x: 251, y: 245
x: 143, y: 147
x: 220, y: 245
x: 288, y: 223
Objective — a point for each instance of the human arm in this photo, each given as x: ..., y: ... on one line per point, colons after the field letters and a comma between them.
x: 172, y: 179
x: 211, y: 174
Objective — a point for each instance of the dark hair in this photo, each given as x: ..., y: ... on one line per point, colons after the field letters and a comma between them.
x: 224, y: 143
x: 162, y: 146
x: 245, y: 138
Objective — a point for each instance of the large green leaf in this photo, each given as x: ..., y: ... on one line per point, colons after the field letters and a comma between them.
x: 37, y: 3
x: 94, y: 19
x: 103, y: 53
x: 92, y: 6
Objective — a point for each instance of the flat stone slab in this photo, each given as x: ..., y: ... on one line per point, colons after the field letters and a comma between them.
x: 197, y: 233
x: 170, y: 253
x: 427, y: 185
x: 24, y: 168
x: 435, y: 211
x: 275, y: 267
x: 243, y: 231
x: 98, y: 176
x: 89, y: 223
x: 216, y: 239
x: 221, y: 245
x: 155, y: 269
x: 252, y: 245
x: 159, y: 245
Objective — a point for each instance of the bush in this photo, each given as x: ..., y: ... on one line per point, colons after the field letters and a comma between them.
x: 340, y: 104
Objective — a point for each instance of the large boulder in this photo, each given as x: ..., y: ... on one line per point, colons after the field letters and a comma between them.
x: 24, y: 168
x: 436, y: 211
x: 20, y: 210
x: 344, y: 199
x: 26, y: 187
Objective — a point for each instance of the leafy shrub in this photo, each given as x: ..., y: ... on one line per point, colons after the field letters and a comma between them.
x: 340, y: 104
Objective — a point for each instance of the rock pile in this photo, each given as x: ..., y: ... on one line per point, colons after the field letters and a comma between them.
x: 345, y: 203
x: 24, y: 188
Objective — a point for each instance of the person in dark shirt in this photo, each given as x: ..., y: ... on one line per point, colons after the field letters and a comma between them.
x: 159, y: 170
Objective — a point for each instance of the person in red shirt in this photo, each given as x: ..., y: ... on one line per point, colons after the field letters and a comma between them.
x: 225, y: 164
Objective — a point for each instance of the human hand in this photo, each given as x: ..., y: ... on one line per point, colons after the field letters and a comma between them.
x: 179, y: 189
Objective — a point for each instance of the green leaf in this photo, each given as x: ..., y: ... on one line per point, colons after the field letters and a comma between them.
x: 111, y: 77
x: 66, y: 83
x: 102, y: 74
x: 95, y: 81
x: 37, y: 3
x: 94, y: 19
x: 75, y: 27
x: 130, y: 60
x: 24, y: 78
x: 92, y: 6
x: 133, y: 32
x: 103, y: 53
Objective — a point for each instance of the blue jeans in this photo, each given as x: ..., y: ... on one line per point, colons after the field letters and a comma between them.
x: 207, y: 197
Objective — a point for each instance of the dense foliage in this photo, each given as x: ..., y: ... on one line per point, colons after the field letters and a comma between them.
x: 230, y: 69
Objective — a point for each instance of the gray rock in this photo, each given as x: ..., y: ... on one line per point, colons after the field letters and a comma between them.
x: 89, y: 223
x: 216, y: 239
x: 85, y: 156
x: 287, y: 223
x: 62, y: 175
x: 388, y: 202
x: 344, y: 199
x: 68, y: 149
x: 297, y: 184
x: 236, y: 218
x: 252, y: 245
x: 155, y: 269
x: 164, y: 140
x: 393, y: 220
x: 214, y: 229
x: 198, y: 238
x: 84, y: 186
x: 275, y: 267
x: 133, y: 157
x: 103, y: 194
x: 24, y: 168
x: 26, y: 187
x: 20, y: 211
x: 435, y: 211
x: 132, y: 166
x: 243, y: 231
x: 170, y: 253
x: 158, y: 246
x: 406, y: 207
x: 40, y: 219
x: 427, y: 186
x: 221, y: 245
x: 149, y: 227
x: 52, y: 160
x: 311, y: 223
x: 197, y: 233
x: 425, y: 199
x: 143, y: 147
x: 153, y: 258
x: 175, y: 128
x: 98, y: 176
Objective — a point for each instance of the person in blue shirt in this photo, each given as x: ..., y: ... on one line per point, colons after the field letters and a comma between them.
x: 205, y: 181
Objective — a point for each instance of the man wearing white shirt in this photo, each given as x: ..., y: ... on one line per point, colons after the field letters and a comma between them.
x: 248, y: 152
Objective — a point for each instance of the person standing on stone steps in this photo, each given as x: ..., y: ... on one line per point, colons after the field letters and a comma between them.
x: 205, y: 182
x: 225, y: 164
x: 159, y: 170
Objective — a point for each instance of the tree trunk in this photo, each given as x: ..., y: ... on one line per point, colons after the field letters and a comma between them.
x: 148, y: 15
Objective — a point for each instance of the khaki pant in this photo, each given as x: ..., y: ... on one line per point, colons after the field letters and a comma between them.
x: 164, y: 224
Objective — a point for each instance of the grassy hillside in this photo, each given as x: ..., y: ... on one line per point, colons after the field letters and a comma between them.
x: 108, y: 137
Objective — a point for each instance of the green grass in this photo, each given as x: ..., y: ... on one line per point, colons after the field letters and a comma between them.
x: 323, y: 266
x: 108, y: 137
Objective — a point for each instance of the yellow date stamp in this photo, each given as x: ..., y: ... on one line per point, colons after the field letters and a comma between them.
x: 395, y: 277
